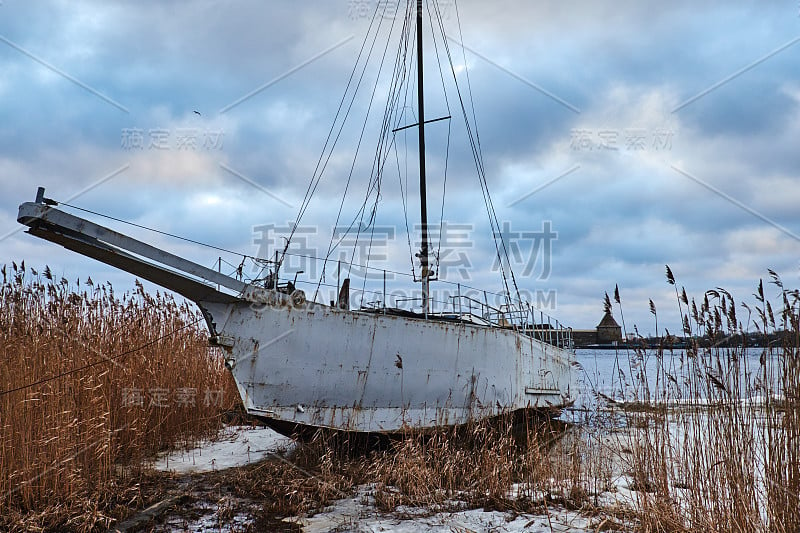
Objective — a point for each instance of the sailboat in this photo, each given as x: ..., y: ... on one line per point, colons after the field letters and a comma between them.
x: 301, y: 364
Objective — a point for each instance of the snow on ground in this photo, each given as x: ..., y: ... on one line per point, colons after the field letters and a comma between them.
x: 236, y: 446
x: 357, y: 514
x: 239, y: 446
x: 210, y: 522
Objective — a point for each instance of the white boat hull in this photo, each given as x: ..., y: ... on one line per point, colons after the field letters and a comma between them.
x: 303, y: 364
x: 320, y: 366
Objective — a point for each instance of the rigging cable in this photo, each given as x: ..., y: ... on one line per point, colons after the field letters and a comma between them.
x: 320, y: 167
x: 403, y: 194
x: 372, y: 186
x: 449, y: 129
x: 135, y: 225
x: 239, y: 254
x: 478, y: 139
x: 407, y: 106
x: 358, y: 146
x: 381, y: 153
x: 383, y: 150
x: 477, y: 155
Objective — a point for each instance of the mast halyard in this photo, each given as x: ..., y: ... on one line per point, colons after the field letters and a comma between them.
x: 423, y: 254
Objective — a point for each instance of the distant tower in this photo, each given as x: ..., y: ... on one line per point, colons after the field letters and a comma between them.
x: 608, y: 331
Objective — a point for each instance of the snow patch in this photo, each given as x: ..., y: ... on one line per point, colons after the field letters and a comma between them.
x: 358, y: 514
x: 236, y: 446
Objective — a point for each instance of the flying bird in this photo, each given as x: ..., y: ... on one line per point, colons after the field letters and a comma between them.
x: 198, y: 112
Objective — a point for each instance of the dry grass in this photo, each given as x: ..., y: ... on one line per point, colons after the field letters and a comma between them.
x: 492, y: 465
x: 730, y: 463
x: 479, y: 465
x: 112, y: 379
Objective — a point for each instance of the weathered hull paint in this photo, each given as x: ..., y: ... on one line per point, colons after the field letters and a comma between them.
x: 320, y: 366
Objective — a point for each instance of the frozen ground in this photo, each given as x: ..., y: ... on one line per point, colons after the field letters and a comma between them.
x: 238, y: 446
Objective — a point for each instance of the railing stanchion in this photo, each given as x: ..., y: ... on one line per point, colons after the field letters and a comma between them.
x: 276, y: 271
x: 460, y: 316
x: 338, y: 281
x: 541, y: 325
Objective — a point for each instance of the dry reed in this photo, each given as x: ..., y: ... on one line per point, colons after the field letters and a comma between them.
x: 717, y: 438
x: 495, y: 465
x: 91, y: 382
x: 114, y: 379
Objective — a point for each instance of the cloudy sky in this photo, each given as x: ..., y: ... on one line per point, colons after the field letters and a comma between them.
x: 642, y: 133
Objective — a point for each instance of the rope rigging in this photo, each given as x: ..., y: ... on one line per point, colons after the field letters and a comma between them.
x: 400, y: 82
x: 478, y: 158
x: 437, y: 255
x: 331, y: 246
x: 320, y: 168
x: 395, y: 116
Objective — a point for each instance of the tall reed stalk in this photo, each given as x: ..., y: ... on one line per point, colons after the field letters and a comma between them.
x: 91, y: 381
x: 717, y: 444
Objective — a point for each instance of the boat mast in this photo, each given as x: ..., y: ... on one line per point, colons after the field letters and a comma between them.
x: 423, y: 255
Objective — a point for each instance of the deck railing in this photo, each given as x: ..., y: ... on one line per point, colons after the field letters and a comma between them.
x: 476, y: 306
x: 520, y: 317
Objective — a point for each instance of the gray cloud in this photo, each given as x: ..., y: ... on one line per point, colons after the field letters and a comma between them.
x: 620, y: 217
